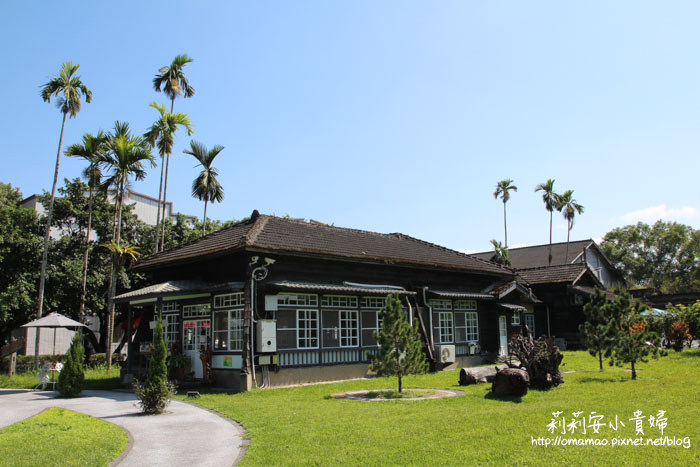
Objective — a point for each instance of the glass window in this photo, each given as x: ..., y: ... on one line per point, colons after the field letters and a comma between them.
x: 348, y: 329
x: 445, y: 330
x: 171, y: 329
x: 228, y: 330
x: 466, y: 326
x: 228, y: 300
x: 438, y: 305
x: 465, y: 305
x: 516, y: 319
x: 370, y: 322
x: 307, y: 329
x: 339, y: 301
x: 297, y: 299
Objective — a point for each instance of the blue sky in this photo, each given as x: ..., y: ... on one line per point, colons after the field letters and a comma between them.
x: 386, y: 116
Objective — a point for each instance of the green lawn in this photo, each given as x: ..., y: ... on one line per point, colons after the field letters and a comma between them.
x: 304, y: 425
x: 95, y: 378
x: 60, y: 437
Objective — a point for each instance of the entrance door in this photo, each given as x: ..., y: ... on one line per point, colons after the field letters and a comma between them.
x: 195, y: 339
x: 503, y: 335
x: 530, y: 323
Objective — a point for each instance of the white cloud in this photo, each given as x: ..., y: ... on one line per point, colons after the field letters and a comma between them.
x: 660, y: 212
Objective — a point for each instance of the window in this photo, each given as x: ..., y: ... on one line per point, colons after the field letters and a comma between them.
x: 371, y: 322
x: 465, y: 305
x: 373, y: 302
x: 228, y: 329
x: 515, y: 321
x: 307, y: 329
x: 438, y: 305
x: 170, y: 307
x: 345, y: 301
x: 466, y: 326
x: 297, y: 299
x: 445, y: 333
x: 348, y: 329
x: 171, y: 329
x: 201, y: 310
x: 228, y: 300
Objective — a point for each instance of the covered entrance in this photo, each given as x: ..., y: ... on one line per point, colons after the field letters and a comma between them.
x: 196, y: 338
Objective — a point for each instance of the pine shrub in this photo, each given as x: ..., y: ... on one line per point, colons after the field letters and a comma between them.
x: 71, y: 379
x: 155, y: 393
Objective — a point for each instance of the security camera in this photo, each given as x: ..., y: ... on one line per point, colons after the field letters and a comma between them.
x: 269, y: 261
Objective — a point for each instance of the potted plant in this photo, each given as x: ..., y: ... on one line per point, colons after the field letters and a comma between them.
x: 178, y: 364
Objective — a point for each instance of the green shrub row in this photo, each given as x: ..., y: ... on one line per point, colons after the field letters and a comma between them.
x: 26, y: 362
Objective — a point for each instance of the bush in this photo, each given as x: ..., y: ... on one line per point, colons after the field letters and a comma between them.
x: 154, y: 395
x: 25, y: 363
x: 71, y: 379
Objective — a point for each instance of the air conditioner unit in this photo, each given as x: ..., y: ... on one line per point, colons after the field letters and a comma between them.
x: 446, y: 353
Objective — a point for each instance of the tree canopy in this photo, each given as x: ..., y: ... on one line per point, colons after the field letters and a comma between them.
x: 664, y: 256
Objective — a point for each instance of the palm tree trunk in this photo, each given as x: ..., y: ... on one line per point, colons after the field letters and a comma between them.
x: 113, y: 281
x: 550, y: 238
x: 505, y: 228
x: 45, y: 254
x: 165, y: 202
x: 160, y: 194
x: 204, y: 219
x: 568, y: 232
x: 85, y: 256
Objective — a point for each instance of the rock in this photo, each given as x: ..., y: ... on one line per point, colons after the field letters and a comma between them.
x: 510, y: 382
x: 466, y: 377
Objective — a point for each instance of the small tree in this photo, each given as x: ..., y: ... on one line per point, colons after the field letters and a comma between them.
x: 154, y: 395
x: 71, y: 379
x: 598, y: 332
x: 400, y: 347
x: 634, y: 340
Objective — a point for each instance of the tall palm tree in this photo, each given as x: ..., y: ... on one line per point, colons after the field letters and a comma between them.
x: 569, y: 207
x: 162, y: 134
x: 91, y: 150
x: 503, y: 189
x: 551, y: 201
x: 68, y: 89
x: 124, y: 158
x: 206, y: 187
x: 172, y: 80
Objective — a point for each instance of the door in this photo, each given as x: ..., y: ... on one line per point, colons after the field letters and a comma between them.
x: 530, y: 323
x: 195, y: 339
x: 503, y: 335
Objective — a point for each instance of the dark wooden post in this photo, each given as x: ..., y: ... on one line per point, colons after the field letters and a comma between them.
x: 13, y: 363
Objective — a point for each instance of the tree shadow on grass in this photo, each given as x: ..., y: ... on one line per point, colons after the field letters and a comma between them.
x: 604, y: 380
x: 514, y: 399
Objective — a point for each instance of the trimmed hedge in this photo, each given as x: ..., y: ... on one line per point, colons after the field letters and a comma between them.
x: 25, y: 363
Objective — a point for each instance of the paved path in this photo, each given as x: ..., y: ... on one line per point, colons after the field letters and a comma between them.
x: 185, y: 435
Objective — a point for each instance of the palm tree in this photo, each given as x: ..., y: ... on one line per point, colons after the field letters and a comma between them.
x: 500, y: 253
x: 92, y: 149
x: 206, y: 187
x: 503, y: 189
x: 162, y: 134
x: 124, y: 158
x: 551, y: 201
x: 173, y: 81
x: 569, y: 208
x: 68, y: 89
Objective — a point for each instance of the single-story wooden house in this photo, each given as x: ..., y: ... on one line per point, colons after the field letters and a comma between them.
x: 564, y: 286
x: 275, y: 301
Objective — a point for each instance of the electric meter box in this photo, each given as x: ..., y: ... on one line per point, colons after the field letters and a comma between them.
x: 266, y: 336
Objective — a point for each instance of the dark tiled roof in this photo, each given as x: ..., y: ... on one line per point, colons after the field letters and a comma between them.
x: 297, y: 236
x: 561, y: 273
x: 538, y: 255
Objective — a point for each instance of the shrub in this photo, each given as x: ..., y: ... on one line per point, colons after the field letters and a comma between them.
x: 154, y: 395
x: 71, y: 379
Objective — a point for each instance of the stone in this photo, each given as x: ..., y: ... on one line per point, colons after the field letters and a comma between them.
x: 510, y: 382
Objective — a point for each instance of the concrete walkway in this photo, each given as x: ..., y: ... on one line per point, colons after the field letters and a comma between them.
x: 185, y: 435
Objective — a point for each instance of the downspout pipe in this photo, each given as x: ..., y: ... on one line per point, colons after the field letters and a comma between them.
x: 430, y: 316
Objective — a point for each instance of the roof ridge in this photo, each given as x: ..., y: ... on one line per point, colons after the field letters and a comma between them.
x: 258, y: 226
x: 568, y: 265
x: 589, y: 240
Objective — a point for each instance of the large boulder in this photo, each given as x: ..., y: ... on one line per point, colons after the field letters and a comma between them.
x: 510, y: 382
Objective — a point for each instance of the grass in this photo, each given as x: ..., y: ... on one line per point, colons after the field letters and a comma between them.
x: 95, y: 378
x: 304, y: 425
x: 61, y: 437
